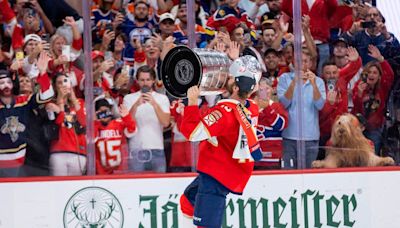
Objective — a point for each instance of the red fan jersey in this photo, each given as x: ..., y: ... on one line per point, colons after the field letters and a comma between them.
x: 111, y: 149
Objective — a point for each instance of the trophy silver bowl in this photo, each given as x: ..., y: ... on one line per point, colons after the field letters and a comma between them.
x: 183, y: 68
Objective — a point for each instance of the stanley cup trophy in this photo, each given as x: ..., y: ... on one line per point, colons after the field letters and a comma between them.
x: 183, y: 68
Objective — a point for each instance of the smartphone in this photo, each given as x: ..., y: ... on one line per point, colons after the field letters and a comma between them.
x: 156, y: 31
x: 364, y: 77
x: 125, y: 70
x: 109, y: 27
x: 145, y: 89
x: 19, y: 55
x: 46, y: 37
x: 330, y: 84
x: 108, y: 55
x: 368, y: 24
x: 66, y: 50
x: 122, y: 10
x: 31, y: 12
x: 67, y: 83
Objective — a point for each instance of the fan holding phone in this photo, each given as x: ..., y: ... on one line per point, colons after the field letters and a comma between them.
x: 151, y: 113
x: 370, y: 31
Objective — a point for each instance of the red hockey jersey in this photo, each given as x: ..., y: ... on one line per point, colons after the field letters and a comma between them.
x: 219, y: 129
x: 271, y: 122
x: 111, y: 145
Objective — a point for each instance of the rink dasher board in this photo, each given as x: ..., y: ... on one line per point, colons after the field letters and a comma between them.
x: 360, y: 198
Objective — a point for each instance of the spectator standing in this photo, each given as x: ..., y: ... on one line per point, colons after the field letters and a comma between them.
x: 37, y: 150
x: 274, y: 71
x: 166, y: 25
x: 102, y: 17
x: 314, y: 96
x: 110, y: 136
x: 375, y: 34
x: 14, y: 113
x: 370, y: 94
x: 136, y: 26
x: 102, y: 80
x: 151, y: 112
x: 68, y: 152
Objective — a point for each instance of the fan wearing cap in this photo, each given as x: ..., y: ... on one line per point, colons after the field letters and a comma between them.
x: 228, y: 147
x: 228, y: 16
x: 341, y: 60
x: 32, y: 48
x: 102, y: 81
x: 167, y: 25
x: 110, y: 137
x: 274, y: 69
x: 14, y: 113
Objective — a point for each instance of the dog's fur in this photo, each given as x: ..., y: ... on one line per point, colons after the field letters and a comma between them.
x: 349, y: 147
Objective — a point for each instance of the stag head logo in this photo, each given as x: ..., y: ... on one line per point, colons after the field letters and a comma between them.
x: 93, y: 207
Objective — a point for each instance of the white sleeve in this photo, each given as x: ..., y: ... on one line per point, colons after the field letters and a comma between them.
x: 129, y: 100
x: 164, y: 104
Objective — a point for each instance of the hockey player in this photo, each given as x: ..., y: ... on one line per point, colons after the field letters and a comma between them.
x: 111, y: 146
x: 230, y: 145
x: 14, y: 112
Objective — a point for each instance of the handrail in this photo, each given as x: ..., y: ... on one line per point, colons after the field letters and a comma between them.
x: 181, y: 175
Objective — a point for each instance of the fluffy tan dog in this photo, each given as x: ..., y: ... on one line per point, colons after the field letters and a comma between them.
x: 349, y: 148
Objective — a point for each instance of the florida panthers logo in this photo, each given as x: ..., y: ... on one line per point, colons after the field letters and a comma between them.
x: 12, y: 127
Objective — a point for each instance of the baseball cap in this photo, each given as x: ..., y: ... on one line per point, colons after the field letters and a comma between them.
x: 268, y: 18
x: 340, y: 39
x: 96, y: 54
x: 166, y: 16
x: 34, y: 37
x: 5, y: 74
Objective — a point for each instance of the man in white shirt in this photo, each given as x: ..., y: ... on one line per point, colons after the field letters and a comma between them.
x: 151, y: 113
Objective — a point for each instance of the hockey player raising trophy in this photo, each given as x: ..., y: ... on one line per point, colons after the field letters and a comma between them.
x: 229, y: 144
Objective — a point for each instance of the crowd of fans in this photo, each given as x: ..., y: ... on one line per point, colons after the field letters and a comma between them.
x: 350, y: 63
